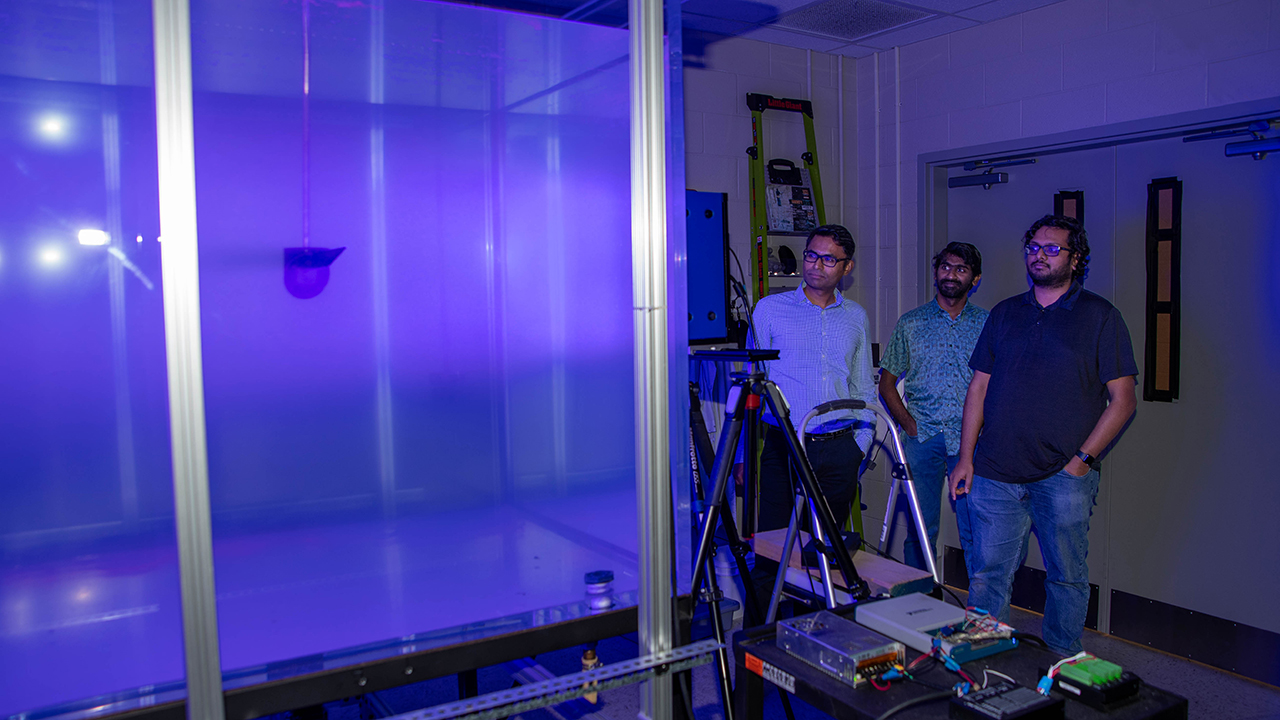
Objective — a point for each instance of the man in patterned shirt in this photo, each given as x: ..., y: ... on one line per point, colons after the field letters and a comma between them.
x: 824, y: 356
x: 930, y: 347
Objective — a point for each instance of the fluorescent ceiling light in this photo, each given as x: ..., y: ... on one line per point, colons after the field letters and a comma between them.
x: 93, y: 237
x: 52, y: 126
x: 50, y: 256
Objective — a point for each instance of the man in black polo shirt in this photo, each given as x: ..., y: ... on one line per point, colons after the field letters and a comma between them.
x: 1053, y: 385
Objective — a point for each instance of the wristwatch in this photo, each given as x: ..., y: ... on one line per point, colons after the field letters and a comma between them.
x: 1086, y: 458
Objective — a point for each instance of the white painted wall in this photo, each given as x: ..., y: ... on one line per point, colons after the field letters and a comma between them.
x: 1067, y: 66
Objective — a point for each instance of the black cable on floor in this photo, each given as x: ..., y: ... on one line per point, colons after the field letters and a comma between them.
x: 931, y: 697
x: 786, y: 703
x: 955, y: 597
x: 1032, y: 638
x: 686, y: 694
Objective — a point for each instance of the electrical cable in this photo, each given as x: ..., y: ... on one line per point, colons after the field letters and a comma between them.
x: 786, y: 704
x: 954, y: 596
x: 931, y: 697
x: 989, y: 671
x: 686, y: 693
x: 739, y: 287
x: 1053, y: 670
x: 1031, y: 638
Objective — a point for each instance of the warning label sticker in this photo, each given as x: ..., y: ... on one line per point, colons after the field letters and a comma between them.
x: 771, y: 673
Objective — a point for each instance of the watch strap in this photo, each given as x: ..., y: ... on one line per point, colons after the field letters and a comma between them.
x: 1086, y: 458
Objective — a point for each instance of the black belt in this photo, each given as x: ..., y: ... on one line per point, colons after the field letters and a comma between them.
x: 815, y: 437
x: 819, y: 437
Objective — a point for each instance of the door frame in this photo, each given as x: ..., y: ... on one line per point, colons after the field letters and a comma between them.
x: 932, y: 191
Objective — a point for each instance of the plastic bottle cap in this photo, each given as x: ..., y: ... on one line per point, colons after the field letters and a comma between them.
x: 595, y: 577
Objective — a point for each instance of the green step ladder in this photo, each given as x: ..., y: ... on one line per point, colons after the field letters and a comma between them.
x: 760, y: 185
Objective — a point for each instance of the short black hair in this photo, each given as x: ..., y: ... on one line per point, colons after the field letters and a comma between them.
x: 839, y: 233
x: 966, y: 252
x: 1077, y: 240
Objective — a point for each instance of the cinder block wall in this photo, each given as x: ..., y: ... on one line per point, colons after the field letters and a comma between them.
x: 1071, y: 65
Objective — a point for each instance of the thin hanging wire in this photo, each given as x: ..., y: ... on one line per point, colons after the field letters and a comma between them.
x: 306, y: 123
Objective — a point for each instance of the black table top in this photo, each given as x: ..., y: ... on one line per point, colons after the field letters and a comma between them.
x: 756, y: 652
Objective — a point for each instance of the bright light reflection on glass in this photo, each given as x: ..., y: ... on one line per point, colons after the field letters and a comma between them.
x: 52, y: 126
x: 93, y: 237
x: 50, y: 256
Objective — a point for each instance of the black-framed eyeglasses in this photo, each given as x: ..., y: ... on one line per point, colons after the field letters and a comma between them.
x: 961, y: 270
x: 1050, y: 250
x: 828, y: 260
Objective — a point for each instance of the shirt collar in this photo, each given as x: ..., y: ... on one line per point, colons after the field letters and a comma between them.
x: 968, y: 308
x: 804, y: 299
x: 1066, y: 302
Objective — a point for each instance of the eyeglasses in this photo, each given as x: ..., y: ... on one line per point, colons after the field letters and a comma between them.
x: 828, y: 260
x: 946, y: 268
x: 1050, y: 250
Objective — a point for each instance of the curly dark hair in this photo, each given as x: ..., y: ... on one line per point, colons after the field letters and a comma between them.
x: 1077, y: 240
x: 838, y: 233
x: 963, y: 250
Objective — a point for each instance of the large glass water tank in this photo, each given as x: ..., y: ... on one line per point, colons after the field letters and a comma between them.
x: 416, y: 309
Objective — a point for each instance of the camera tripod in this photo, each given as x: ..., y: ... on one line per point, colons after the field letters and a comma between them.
x: 750, y: 392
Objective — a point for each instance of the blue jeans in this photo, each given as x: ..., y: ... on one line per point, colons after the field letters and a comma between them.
x: 1060, y: 507
x: 930, y: 465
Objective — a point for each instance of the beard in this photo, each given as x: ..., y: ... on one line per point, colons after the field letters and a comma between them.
x: 953, y: 290
x: 1051, y: 278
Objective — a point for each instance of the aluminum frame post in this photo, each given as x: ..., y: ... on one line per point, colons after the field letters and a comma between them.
x: 649, y: 292
x: 179, y: 261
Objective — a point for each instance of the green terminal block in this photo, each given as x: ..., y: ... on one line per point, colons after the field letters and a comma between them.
x: 1097, y: 683
x: 1091, y: 671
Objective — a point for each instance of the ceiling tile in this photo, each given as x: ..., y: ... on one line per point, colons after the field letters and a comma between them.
x: 850, y: 19
x: 1002, y: 9
x: 748, y: 12
x: 779, y: 36
x: 854, y: 51
x: 916, y: 33
x: 940, y: 6
x: 716, y: 25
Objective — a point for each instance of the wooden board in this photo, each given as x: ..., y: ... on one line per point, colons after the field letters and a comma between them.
x: 882, y: 575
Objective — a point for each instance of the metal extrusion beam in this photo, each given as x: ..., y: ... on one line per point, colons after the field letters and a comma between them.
x: 567, y: 687
x: 175, y: 138
x: 649, y: 289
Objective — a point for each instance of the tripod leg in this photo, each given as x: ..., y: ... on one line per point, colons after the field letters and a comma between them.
x: 826, y: 520
x: 824, y: 568
x: 722, y: 654
x: 784, y: 561
x: 888, y: 509
x: 751, y: 611
x: 724, y: 463
x: 706, y: 460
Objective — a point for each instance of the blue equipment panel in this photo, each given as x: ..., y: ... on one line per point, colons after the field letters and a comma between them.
x: 707, y: 229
